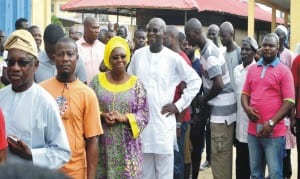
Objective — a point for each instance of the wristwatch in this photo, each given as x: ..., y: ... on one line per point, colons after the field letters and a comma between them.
x: 271, y: 123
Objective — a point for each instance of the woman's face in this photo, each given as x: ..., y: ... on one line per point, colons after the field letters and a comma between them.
x: 117, y: 59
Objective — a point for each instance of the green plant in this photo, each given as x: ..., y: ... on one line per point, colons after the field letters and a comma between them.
x: 55, y: 20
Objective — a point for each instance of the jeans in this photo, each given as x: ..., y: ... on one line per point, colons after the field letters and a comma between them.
x: 178, y: 155
x: 266, y: 150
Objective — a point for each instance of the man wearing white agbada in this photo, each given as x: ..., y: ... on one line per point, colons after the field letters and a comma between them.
x: 161, y: 70
x: 34, y: 129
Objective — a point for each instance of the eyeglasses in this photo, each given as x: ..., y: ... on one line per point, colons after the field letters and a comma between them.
x: 21, y: 63
x: 117, y: 57
x: 154, y: 30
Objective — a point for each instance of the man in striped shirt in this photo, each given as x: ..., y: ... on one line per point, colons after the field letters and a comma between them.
x: 219, y: 95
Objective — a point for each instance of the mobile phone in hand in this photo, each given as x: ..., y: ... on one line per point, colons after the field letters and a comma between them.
x: 259, y: 127
x: 13, y: 139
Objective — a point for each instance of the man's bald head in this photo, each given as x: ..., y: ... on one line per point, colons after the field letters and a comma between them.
x: 156, y: 28
x: 193, y: 24
x: 193, y: 32
x: 172, y: 30
x: 72, y: 32
x: 171, y: 39
x: 159, y: 21
x: 227, y: 26
x: 274, y: 38
x: 213, y: 27
x: 91, y: 29
x: 226, y: 33
x: 89, y: 20
x: 213, y: 33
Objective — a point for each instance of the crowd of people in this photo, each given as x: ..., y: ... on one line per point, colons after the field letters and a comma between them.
x: 95, y: 104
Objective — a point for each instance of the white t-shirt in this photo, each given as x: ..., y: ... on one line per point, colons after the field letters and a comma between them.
x: 241, y: 130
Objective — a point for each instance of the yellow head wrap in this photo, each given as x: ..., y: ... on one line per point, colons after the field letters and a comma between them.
x: 113, y: 43
x: 22, y: 40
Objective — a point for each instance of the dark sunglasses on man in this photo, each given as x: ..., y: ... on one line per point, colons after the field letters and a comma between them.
x: 154, y: 30
x: 21, y: 62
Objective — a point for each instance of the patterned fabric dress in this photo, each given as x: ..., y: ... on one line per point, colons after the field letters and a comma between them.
x: 120, y: 153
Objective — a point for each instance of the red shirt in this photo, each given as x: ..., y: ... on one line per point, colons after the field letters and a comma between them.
x: 179, y: 90
x: 3, y: 141
x: 268, y: 87
x: 296, y: 73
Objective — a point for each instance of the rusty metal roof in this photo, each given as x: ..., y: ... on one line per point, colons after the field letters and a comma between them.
x: 128, y: 7
x: 131, y: 4
x: 235, y: 7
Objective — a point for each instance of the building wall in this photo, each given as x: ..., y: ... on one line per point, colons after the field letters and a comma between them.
x: 41, y: 13
x: 176, y: 17
x: 55, y: 9
x: 11, y: 10
x: 37, y: 12
x: 295, y: 24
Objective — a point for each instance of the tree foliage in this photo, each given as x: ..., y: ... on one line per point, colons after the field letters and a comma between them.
x: 55, y: 20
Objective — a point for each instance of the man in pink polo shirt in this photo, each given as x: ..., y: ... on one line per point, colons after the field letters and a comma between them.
x: 267, y: 97
x: 90, y: 48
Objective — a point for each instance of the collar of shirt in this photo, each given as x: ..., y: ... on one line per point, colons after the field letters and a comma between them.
x: 275, y: 62
x: 83, y: 42
x: 242, y: 68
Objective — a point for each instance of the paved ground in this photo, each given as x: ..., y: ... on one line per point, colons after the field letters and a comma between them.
x: 206, y: 174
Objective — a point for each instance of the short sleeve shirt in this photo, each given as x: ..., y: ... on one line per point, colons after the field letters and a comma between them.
x: 268, y: 86
x: 212, y: 64
x: 92, y: 56
x: 79, y: 110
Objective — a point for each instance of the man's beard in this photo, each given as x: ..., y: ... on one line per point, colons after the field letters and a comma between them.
x: 65, y: 75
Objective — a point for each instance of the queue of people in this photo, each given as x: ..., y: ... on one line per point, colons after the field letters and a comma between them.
x: 99, y: 105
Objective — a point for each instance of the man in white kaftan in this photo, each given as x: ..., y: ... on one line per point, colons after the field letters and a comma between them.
x: 161, y: 70
x: 31, y: 114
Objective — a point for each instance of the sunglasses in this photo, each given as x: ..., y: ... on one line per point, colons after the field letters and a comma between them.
x: 154, y: 30
x: 21, y: 63
x: 117, y: 57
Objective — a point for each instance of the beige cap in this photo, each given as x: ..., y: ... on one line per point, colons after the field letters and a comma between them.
x: 22, y: 40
